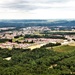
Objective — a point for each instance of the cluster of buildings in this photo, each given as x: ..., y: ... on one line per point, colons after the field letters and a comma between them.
x: 22, y: 31
x: 34, y: 29
x: 7, y: 28
x: 30, y: 30
x: 10, y: 45
x: 39, y: 41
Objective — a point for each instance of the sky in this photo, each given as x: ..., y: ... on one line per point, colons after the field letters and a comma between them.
x: 37, y: 9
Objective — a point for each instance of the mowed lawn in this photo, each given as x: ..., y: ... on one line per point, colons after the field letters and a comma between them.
x: 63, y: 48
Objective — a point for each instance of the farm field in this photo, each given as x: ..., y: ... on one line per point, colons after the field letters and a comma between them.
x: 72, y: 44
x: 36, y: 46
x: 63, y: 48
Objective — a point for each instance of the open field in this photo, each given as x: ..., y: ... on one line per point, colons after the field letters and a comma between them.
x: 63, y: 31
x: 64, y: 48
x: 36, y: 46
x: 72, y: 44
x: 17, y: 39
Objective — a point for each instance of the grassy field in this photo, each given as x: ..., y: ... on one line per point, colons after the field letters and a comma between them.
x: 17, y: 39
x: 64, y: 48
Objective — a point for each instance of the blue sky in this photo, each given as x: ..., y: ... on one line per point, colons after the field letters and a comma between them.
x: 37, y: 9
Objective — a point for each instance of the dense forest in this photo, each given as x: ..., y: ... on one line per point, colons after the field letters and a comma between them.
x: 40, y: 61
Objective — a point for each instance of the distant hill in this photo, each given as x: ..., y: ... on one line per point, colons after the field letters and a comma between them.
x: 25, y: 23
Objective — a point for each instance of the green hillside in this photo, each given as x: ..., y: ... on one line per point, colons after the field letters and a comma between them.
x: 64, y: 48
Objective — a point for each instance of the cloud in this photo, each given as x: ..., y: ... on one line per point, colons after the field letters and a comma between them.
x: 30, y: 4
x: 37, y: 9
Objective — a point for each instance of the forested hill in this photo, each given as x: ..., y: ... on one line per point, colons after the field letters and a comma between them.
x: 25, y: 23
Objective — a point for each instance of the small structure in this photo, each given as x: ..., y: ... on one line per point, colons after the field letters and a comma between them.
x: 8, y: 58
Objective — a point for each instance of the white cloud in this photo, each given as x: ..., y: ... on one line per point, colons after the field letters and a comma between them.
x: 37, y: 9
